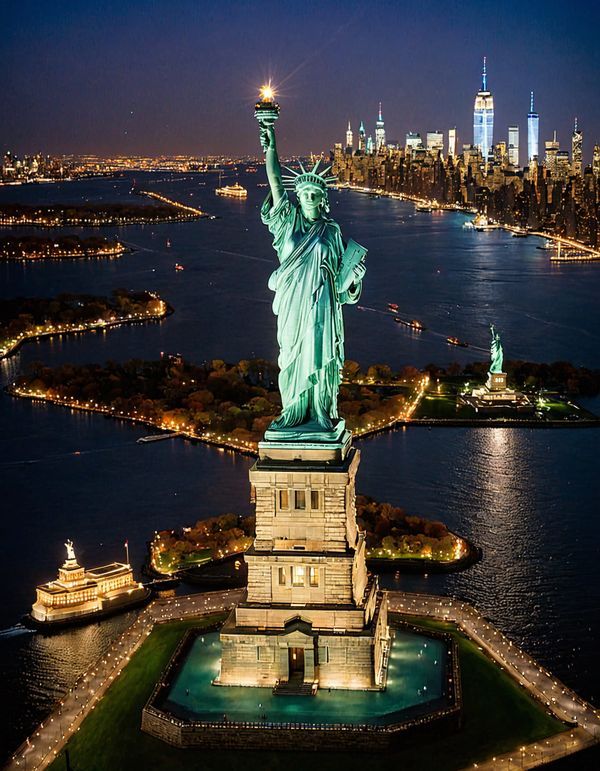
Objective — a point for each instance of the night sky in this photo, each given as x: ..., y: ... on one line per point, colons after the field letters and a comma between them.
x: 181, y: 77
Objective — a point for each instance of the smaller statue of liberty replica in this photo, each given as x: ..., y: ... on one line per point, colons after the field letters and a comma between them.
x: 496, y: 377
x: 317, y: 274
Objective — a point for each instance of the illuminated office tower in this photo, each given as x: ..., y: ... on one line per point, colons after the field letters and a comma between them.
x: 370, y: 145
x: 435, y: 142
x: 452, y: 142
x: 349, y: 138
x: 552, y: 148
x: 596, y: 161
x: 533, y: 132
x: 483, y: 117
x: 577, y: 151
x: 362, y: 137
x: 513, y: 146
x: 501, y: 154
x: 413, y: 140
x: 379, y: 131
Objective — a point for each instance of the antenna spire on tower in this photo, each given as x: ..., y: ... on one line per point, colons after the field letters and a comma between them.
x: 484, y: 75
x: 380, y: 118
x: 531, y: 109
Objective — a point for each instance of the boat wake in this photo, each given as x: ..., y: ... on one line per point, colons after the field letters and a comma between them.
x: 15, y: 631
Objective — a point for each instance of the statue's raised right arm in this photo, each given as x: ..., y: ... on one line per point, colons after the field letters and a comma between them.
x: 267, y: 140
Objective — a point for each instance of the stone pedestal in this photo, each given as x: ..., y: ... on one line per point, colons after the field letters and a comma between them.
x: 311, y: 614
x: 496, y: 381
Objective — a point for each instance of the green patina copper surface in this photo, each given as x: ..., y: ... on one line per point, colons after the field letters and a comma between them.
x: 496, y: 353
x: 317, y: 274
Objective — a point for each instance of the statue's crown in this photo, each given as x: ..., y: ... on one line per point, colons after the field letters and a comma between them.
x: 296, y: 180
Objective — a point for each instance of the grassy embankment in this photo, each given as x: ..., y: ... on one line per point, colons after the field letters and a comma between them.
x: 498, y: 716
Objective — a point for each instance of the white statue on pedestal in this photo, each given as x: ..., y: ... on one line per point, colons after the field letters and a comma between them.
x: 70, y: 551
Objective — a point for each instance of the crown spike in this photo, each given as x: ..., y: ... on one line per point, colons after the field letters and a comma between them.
x: 316, y: 166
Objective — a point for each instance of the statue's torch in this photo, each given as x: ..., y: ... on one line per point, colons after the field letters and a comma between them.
x: 266, y: 110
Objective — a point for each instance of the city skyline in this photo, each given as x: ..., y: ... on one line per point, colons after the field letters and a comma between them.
x: 185, y: 82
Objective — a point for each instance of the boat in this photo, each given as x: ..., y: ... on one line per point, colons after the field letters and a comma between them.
x: 547, y: 246
x: 156, y: 437
x: 482, y: 223
x: 232, y: 191
x: 520, y: 233
x: 168, y: 243
x: 179, y: 266
x: 424, y: 207
x: 81, y: 595
x: 413, y: 324
x: 456, y: 341
x: 393, y: 307
x: 468, y: 225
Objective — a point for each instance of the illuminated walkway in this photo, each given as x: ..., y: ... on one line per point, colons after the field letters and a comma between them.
x: 40, y: 749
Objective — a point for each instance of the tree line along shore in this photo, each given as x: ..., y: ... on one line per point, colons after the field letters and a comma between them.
x: 391, y: 535
x: 30, y: 248
x: 26, y: 318
x: 92, y: 214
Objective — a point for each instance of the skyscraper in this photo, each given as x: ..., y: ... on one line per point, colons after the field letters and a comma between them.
x: 435, y: 142
x: 349, y: 138
x: 452, y: 142
x: 513, y: 146
x: 596, y: 160
x: 577, y: 151
x: 413, y: 140
x: 533, y: 132
x: 370, y: 145
x: 362, y: 137
x: 552, y: 149
x: 483, y: 117
x: 379, y: 131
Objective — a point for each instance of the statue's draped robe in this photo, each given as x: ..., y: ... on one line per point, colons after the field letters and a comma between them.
x: 309, y: 315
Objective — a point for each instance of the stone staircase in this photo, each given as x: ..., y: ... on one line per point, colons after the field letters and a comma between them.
x: 295, y: 686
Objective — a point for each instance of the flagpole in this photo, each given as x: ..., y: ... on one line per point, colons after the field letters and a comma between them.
x: 127, y: 550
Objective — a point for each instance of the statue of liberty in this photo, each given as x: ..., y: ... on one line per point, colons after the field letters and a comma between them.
x: 496, y: 353
x: 317, y: 274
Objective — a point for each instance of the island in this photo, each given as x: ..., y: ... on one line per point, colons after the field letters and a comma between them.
x: 28, y: 318
x: 228, y: 405
x: 394, y: 539
x: 95, y: 214
x: 29, y: 248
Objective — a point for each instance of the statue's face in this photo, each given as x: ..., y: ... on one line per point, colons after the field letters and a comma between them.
x: 311, y: 201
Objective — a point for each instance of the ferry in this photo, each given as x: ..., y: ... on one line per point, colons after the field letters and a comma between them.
x: 168, y: 243
x: 456, y: 341
x: 547, y: 246
x: 393, y: 307
x: 520, y: 233
x: 156, y: 437
x: 81, y: 595
x: 232, y: 191
x: 482, y: 223
x: 468, y: 225
x: 179, y: 266
x: 424, y: 207
x: 413, y: 324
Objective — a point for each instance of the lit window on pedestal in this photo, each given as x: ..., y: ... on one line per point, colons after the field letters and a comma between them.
x: 314, y: 499
x: 283, y: 499
x: 298, y: 574
x: 313, y: 576
x: 299, y: 499
x: 282, y: 577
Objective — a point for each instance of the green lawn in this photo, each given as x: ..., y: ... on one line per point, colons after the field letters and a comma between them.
x: 498, y: 716
x: 435, y: 405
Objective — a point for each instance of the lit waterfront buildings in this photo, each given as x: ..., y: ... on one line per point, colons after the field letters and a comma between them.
x: 483, y: 117
x: 513, y: 146
x: 577, y: 151
x: 533, y: 132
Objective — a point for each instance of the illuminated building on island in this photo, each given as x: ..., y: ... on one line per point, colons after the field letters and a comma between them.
x: 79, y: 592
x: 483, y: 117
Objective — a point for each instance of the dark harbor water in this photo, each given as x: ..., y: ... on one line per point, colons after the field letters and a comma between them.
x: 528, y: 498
